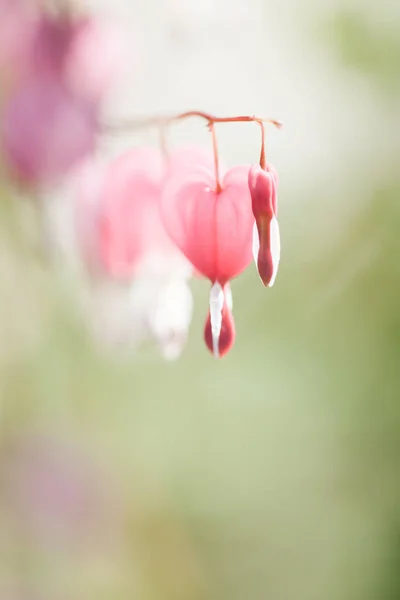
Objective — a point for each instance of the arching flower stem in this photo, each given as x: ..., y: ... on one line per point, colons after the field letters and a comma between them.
x: 218, y: 187
x: 124, y: 126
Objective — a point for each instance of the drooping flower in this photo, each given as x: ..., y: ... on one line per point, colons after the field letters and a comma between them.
x: 51, y: 108
x: 139, y: 279
x: 266, y: 239
x: 130, y: 226
x: 213, y: 228
x: 135, y: 246
x: 46, y: 131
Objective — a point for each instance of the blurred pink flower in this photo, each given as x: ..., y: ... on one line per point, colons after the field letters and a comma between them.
x: 138, y: 286
x: 88, y: 74
x: 46, y: 131
x: 117, y: 212
x: 17, y: 31
x: 55, y: 491
x: 134, y: 247
x: 52, y: 105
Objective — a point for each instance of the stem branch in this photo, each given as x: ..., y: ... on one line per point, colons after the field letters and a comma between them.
x: 123, y: 126
x: 216, y: 157
x: 263, y: 159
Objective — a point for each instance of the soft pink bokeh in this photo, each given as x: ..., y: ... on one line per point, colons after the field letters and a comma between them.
x: 54, y: 91
x: 56, y: 491
x: 46, y: 131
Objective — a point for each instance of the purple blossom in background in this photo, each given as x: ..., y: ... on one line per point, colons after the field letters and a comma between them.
x: 17, y: 31
x: 56, y: 492
x: 53, y: 99
x: 46, y: 130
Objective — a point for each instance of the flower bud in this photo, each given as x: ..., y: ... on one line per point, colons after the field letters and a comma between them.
x: 266, y: 239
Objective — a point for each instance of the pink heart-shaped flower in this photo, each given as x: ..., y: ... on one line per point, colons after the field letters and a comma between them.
x: 212, y: 228
x: 130, y: 221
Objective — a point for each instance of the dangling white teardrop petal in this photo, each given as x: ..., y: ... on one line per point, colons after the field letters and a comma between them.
x: 275, y: 241
x: 256, y: 243
x: 216, y: 306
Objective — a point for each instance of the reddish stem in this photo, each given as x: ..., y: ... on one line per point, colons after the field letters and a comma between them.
x: 211, y: 127
x: 263, y: 159
x: 239, y: 119
x: 157, y: 121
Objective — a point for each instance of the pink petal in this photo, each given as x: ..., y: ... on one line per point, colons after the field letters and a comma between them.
x: 213, y: 230
x: 266, y: 240
x: 131, y: 224
x: 86, y: 187
x: 191, y: 158
x: 263, y: 189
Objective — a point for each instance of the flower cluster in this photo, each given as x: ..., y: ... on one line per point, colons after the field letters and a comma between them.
x: 149, y: 219
x: 168, y: 215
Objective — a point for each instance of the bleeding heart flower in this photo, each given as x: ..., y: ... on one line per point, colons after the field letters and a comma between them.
x: 51, y: 44
x: 186, y: 159
x: 266, y: 239
x: 213, y: 228
x: 66, y: 46
x: 139, y: 279
x: 46, y: 131
x: 54, y: 93
x: 130, y: 222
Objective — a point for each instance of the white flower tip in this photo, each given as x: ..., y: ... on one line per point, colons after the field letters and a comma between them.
x: 217, y: 300
x: 275, y: 248
x: 256, y: 243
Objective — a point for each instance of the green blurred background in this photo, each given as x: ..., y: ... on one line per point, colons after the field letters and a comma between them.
x: 273, y: 473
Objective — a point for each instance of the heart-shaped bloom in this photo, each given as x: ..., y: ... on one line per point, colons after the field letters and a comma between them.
x: 131, y: 224
x: 213, y: 228
x: 138, y: 277
x: 266, y: 239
